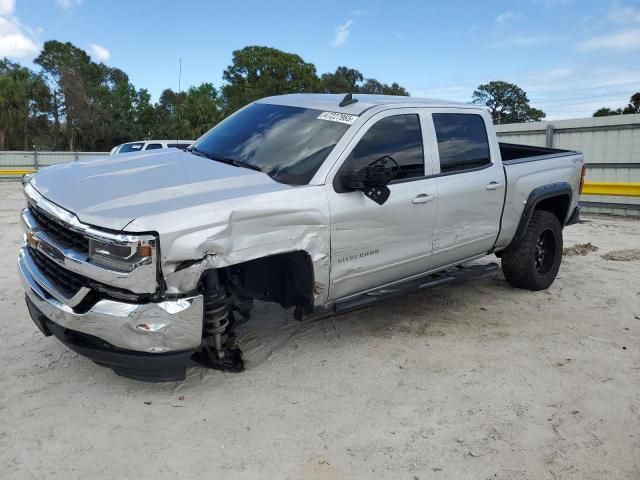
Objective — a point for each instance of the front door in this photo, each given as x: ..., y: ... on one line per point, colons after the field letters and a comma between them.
x: 371, y: 244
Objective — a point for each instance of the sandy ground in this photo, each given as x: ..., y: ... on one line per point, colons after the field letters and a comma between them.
x: 477, y: 380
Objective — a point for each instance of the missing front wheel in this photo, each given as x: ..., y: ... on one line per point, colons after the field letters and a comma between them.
x: 219, y: 348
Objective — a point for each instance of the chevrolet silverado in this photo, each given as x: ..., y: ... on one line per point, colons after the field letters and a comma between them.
x: 318, y: 203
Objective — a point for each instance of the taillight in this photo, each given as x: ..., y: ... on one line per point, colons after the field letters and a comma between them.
x: 582, y: 175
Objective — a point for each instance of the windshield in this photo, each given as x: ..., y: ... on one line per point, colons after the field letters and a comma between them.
x: 131, y: 147
x: 287, y: 143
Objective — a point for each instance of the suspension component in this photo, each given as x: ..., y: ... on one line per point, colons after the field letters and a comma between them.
x: 216, y: 318
x: 219, y: 348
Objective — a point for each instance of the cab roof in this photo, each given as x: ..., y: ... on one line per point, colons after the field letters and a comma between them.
x: 331, y: 102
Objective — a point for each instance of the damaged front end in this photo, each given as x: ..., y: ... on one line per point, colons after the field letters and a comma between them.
x: 148, y: 320
x: 263, y: 250
x: 229, y: 292
x: 98, y: 292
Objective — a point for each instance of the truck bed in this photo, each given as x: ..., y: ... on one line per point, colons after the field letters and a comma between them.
x: 512, y: 153
x: 528, y: 167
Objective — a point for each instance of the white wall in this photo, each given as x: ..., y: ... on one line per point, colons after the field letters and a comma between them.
x: 28, y: 159
x: 611, y: 147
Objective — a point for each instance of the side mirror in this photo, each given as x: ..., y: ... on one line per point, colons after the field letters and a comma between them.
x: 372, y: 180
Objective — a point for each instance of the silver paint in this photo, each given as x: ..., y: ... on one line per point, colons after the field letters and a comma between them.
x: 173, y: 325
x: 213, y: 215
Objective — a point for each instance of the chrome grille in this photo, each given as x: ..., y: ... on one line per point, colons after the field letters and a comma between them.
x: 67, y: 282
x: 59, y: 232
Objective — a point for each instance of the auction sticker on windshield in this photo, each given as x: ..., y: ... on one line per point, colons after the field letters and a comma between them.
x: 338, y: 117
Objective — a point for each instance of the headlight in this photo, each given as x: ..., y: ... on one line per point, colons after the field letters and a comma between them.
x: 125, y: 256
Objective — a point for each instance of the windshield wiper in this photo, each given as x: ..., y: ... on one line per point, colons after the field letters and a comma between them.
x: 223, y: 159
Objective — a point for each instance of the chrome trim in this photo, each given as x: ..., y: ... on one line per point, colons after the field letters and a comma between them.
x: 141, y: 280
x: 173, y: 325
x: 69, y: 220
x: 29, y: 265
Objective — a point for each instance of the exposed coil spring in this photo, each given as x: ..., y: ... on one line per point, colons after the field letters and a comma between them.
x: 216, y: 317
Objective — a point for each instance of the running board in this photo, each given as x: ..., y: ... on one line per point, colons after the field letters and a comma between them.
x: 457, y: 274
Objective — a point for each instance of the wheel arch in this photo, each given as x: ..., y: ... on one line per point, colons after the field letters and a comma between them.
x: 554, y: 198
x: 286, y: 278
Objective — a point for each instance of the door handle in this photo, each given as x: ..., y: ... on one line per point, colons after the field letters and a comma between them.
x: 423, y: 198
x: 495, y: 186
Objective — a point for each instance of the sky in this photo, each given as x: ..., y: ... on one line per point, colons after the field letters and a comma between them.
x: 570, y: 56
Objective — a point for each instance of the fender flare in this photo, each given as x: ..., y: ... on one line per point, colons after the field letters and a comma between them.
x: 535, y: 197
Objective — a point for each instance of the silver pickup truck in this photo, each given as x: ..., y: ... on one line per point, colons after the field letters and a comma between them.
x: 319, y: 203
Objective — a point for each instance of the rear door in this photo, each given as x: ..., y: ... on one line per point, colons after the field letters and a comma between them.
x: 471, y: 187
x: 372, y: 244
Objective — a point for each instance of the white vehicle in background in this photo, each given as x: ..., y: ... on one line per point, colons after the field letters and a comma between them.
x: 144, y: 145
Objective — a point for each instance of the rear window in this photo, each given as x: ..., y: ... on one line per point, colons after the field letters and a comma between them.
x: 131, y: 147
x: 462, y: 141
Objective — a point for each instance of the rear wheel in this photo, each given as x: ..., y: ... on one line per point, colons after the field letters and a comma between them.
x: 534, y: 261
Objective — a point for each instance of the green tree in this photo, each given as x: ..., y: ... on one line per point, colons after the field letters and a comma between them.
x: 23, y: 97
x: 634, y: 104
x: 93, y: 106
x: 144, y: 119
x: 9, y: 101
x: 349, y: 80
x: 607, y: 112
x: 117, y: 111
x: 507, y: 103
x: 170, y: 123
x: 201, y: 109
x: 373, y: 86
x: 257, y: 72
x: 39, y: 108
x: 632, y: 107
x: 189, y: 114
x: 344, y: 80
x: 70, y: 69
x: 79, y: 104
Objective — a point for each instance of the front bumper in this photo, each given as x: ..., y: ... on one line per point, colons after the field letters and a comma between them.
x: 155, y: 329
x: 149, y: 367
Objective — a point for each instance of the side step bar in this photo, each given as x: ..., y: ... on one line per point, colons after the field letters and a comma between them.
x: 457, y: 274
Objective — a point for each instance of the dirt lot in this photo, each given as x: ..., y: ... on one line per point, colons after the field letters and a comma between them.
x: 474, y: 381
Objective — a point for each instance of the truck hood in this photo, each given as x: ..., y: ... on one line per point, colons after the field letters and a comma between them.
x: 113, y: 191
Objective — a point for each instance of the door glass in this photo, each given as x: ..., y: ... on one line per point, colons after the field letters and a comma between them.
x: 154, y: 146
x: 462, y: 141
x: 398, y: 137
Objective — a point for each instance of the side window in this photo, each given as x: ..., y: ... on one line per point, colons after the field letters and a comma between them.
x: 399, y: 137
x: 153, y: 146
x: 462, y: 141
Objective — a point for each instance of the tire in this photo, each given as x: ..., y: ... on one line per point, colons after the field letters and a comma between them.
x: 533, y: 262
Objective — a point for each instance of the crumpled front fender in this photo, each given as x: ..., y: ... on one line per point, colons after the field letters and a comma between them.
x: 238, y: 230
